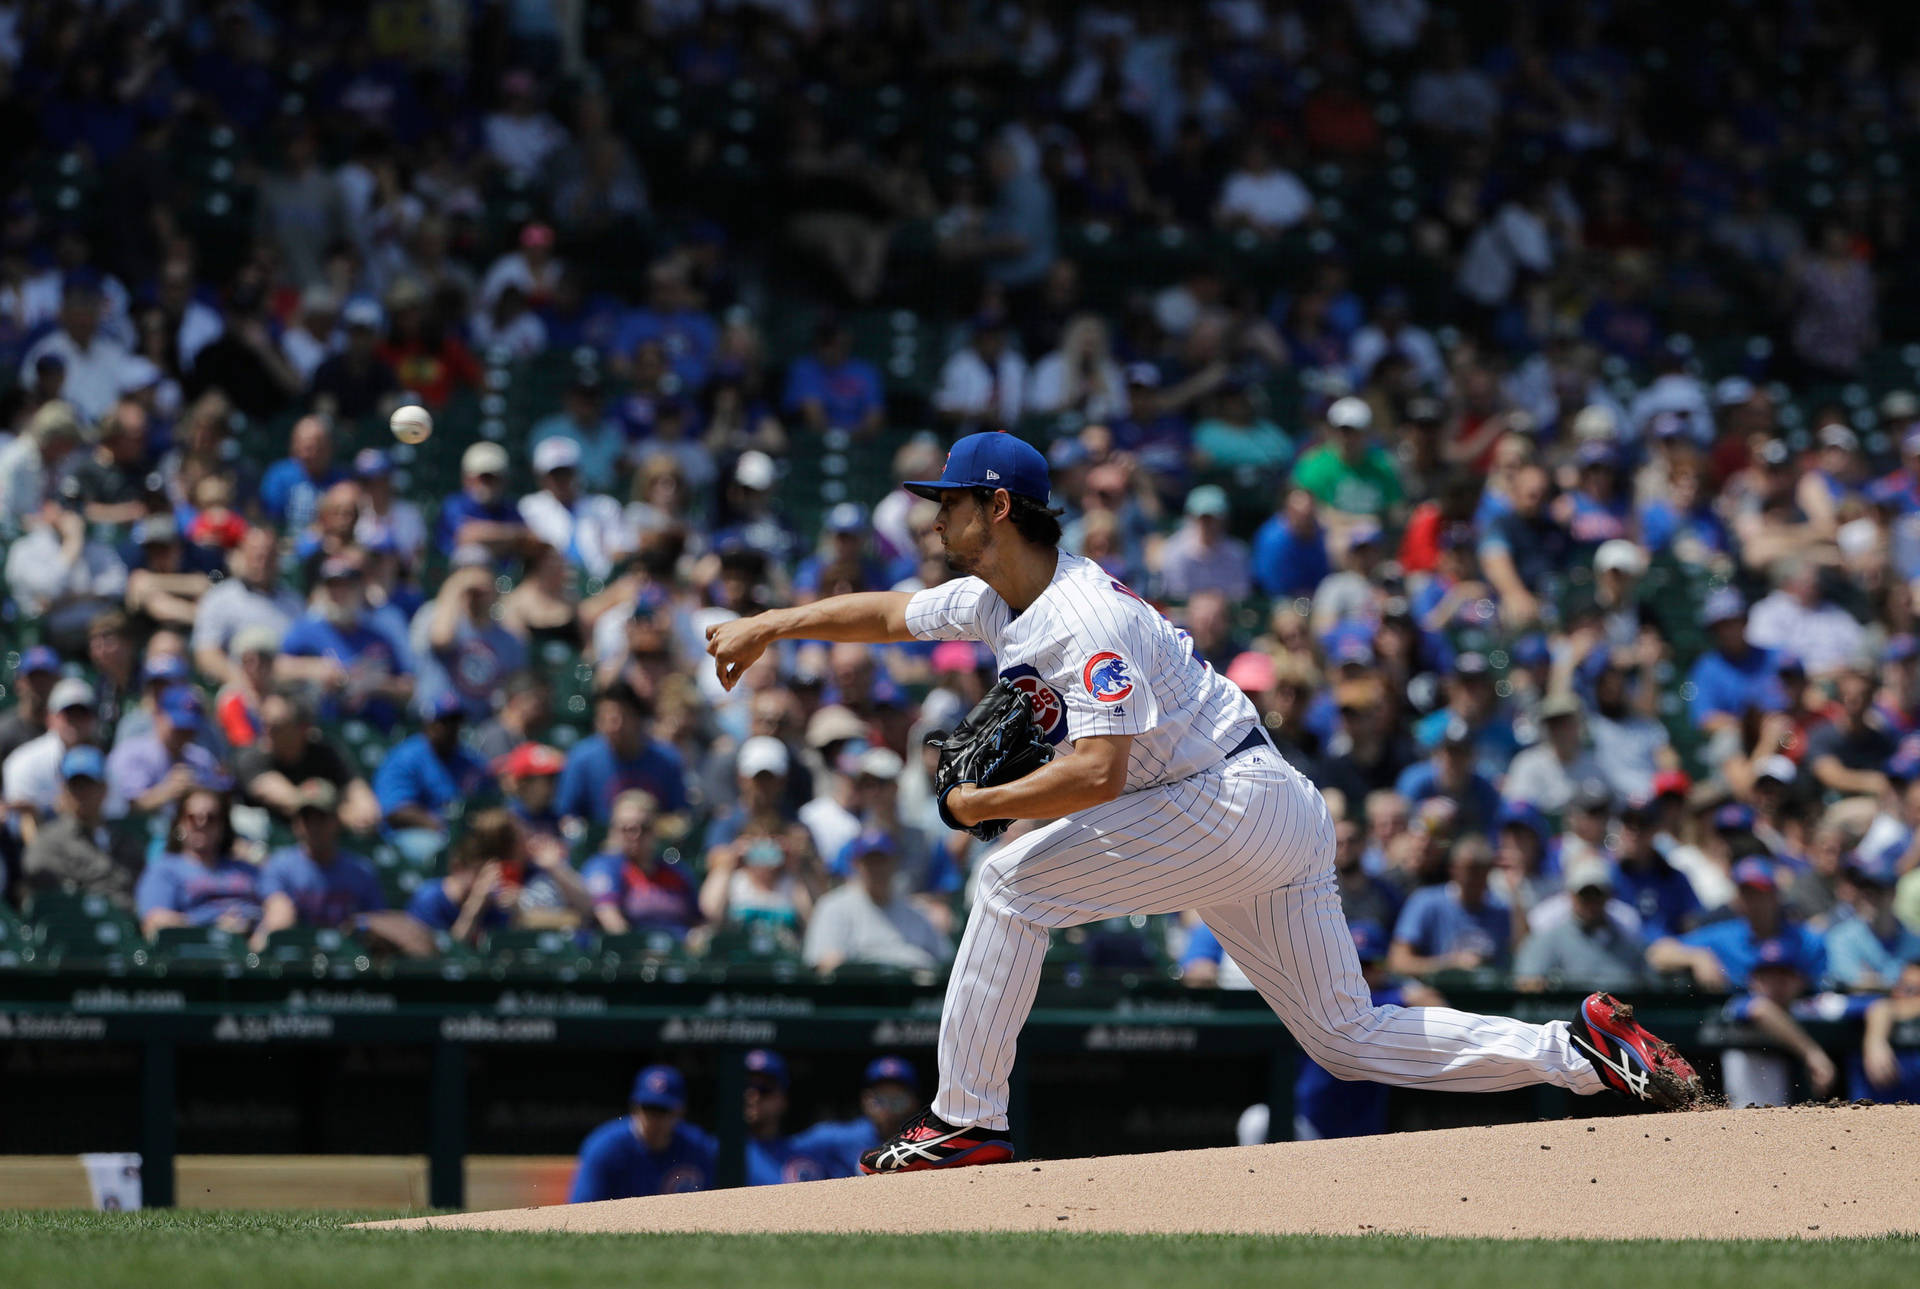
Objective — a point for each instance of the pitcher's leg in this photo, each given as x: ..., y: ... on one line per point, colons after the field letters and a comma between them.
x: 1295, y: 947
x: 1180, y: 846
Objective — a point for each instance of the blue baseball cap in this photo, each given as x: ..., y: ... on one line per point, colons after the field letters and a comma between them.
x: 768, y: 1064
x: 1755, y: 872
x: 890, y: 1069
x: 1901, y: 647
x: 991, y: 459
x: 1369, y: 940
x: 83, y: 762
x: 372, y: 463
x: 37, y: 659
x: 659, y: 1087
x: 1882, y: 869
x: 170, y: 668
x: 1733, y: 817
x: 182, y: 707
x: 1522, y: 814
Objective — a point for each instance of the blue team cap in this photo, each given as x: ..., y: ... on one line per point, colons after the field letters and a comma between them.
x: 992, y: 459
x: 659, y: 1087
x: 1531, y: 651
x: 1901, y: 647
x: 182, y: 707
x: 890, y: 1069
x: 1369, y: 941
x: 372, y: 463
x: 1521, y: 814
x: 37, y: 659
x: 84, y: 762
x: 766, y: 1063
x: 1755, y: 872
x: 169, y: 668
x: 1882, y: 869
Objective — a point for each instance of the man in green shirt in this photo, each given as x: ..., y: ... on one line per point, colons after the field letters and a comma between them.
x: 1351, y: 477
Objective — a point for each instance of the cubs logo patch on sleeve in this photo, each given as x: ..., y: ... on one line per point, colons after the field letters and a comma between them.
x: 1107, y: 677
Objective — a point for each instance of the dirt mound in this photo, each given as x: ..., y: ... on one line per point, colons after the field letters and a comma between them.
x: 1812, y: 1172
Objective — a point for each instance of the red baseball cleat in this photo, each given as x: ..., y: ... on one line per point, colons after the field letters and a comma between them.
x: 1631, y: 1061
x: 926, y: 1141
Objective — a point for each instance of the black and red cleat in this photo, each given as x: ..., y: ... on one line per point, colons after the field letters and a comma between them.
x: 1631, y: 1061
x: 926, y: 1141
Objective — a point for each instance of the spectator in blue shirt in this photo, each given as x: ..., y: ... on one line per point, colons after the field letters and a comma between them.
x: 481, y: 513
x: 198, y: 882
x: 1722, y: 955
x: 1869, y: 950
x: 1732, y: 677
x: 650, y: 1150
x: 671, y: 319
x: 469, y: 902
x: 1659, y: 893
x: 1290, y: 549
x: 424, y: 775
x: 830, y: 388
x: 619, y: 757
x: 1449, y: 772
x: 363, y: 672
x: 1460, y: 925
x: 290, y: 489
x: 315, y: 883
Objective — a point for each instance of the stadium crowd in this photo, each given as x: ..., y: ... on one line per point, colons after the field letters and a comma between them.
x: 1384, y: 346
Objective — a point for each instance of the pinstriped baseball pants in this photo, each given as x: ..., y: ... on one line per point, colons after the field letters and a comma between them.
x: 1250, y: 845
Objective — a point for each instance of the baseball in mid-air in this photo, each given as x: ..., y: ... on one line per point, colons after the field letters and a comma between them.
x: 411, y: 424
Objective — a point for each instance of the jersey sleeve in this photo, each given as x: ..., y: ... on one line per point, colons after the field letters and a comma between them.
x: 951, y: 611
x: 1108, y: 690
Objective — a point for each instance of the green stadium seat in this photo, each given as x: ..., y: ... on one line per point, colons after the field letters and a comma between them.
x: 200, y: 948
x: 551, y: 949
x: 634, y: 948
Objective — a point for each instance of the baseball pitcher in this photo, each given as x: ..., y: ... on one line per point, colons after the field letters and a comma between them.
x: 1163, y: 793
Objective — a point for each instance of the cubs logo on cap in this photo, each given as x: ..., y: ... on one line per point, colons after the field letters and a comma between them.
x: 1106, y: 677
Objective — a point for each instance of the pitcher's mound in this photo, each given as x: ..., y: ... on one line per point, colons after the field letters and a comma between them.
x: 1813, y: 1172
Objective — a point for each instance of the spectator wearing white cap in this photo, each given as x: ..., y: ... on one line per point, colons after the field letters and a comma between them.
x: 1582, y: 939
x: 833, y: 816
x: 756, y: 526
x: 313, y: 337
x: 480, y: 514
x: 1352, y: 478
x: 30, y: 777
x: 587, y: 528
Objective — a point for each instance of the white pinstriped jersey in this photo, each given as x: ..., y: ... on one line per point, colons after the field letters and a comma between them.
x: 1094, y: 658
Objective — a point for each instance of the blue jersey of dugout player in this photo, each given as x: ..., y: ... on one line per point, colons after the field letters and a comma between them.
x: 650, y: 1150
x: 831, y: 1148
x: 1169, y: 796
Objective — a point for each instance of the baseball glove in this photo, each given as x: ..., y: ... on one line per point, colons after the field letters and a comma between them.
x: 998, y: 742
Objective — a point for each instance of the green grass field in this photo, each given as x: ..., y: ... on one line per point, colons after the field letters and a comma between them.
x: 154, y: 1250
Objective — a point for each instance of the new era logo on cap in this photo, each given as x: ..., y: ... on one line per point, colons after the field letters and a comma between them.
x: 992, y: 459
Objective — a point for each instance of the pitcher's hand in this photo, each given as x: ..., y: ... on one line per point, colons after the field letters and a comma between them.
x: 735, y: 646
